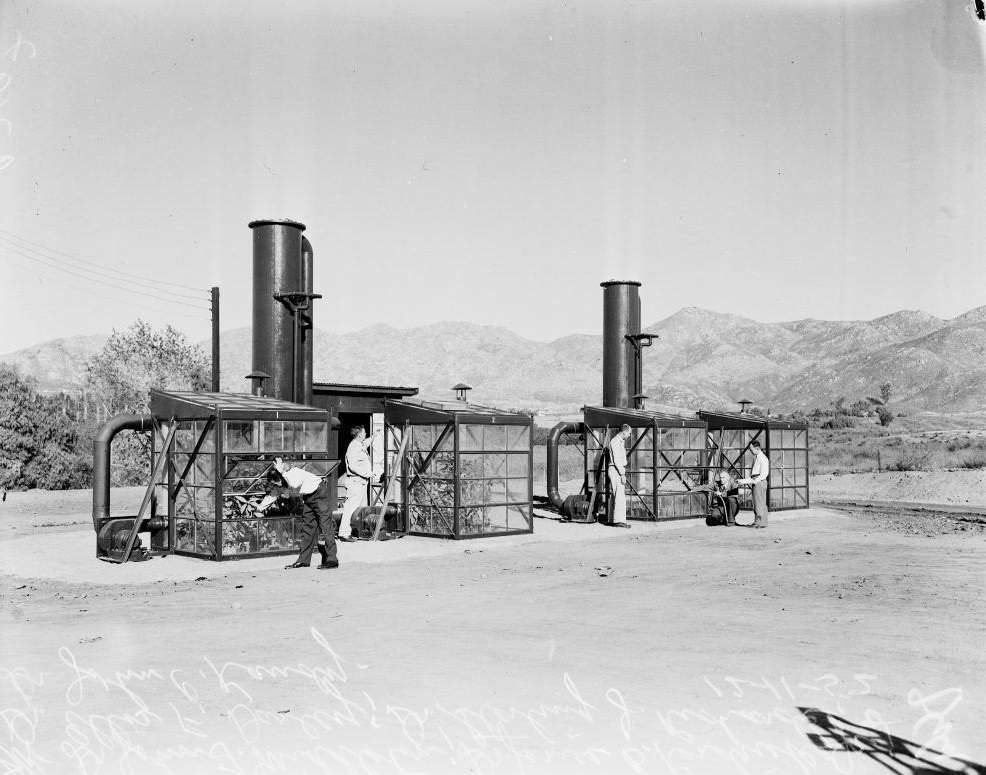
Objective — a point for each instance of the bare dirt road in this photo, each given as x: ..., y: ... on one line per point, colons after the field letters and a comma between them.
x: 833, y: 642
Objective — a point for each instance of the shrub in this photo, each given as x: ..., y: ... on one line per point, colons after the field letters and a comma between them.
x: 911, y: 459
x: 839, y: 421
x: 885, y: 415
x: 974, y: 461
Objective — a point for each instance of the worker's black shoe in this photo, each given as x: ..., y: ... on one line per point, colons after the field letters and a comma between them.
x: 296, y: 565
x: 329, y: 564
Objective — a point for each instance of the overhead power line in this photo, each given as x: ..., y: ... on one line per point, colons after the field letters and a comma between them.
x: 62, y: 268
x: 40, y: 249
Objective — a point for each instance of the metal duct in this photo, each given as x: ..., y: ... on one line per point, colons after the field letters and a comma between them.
x: 101, y: 448
x: 552, y: 458
x: 621, y: 318
x: 277, y: 269
x: 306, y: 331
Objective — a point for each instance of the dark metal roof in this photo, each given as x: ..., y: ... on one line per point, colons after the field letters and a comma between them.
x: 441, y: 410
x: 740, y: 420
x: 637, y: 418
x: 341, y: 388
x: 188, y: 404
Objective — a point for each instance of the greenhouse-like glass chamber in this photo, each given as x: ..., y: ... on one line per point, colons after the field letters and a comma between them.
x: 785, y: 442
x: 223, y: 447
x: 466, y: 470
x: 667, y: 463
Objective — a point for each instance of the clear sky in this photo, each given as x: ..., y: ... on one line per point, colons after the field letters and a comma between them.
x: 490, y: 160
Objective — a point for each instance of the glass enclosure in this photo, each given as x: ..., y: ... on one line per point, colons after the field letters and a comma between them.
x: 784, y: 442
x: 667, y: 463
x: 465, y: 470
x: 224, y: 446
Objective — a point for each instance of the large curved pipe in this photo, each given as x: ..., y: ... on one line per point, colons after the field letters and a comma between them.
x: 552, y: 461
x: 101, y: 459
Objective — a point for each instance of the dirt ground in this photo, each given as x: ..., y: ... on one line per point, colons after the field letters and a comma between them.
x: 839, y: 640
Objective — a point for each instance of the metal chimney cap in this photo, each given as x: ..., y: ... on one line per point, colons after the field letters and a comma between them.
x: 608, y: 283
x: 276, y: 222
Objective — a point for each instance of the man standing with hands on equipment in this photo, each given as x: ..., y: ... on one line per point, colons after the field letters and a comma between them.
x: 617, y: 471
x: 758, y: 481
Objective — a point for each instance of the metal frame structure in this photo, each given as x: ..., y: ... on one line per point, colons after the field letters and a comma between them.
x: 467, y: 471
x: 667, y: 463
x: 215, y: 473
x: 785, y: 442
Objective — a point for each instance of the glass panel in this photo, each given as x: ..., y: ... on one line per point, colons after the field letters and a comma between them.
x: 518, y: 465
x: 471, y: 465
x: 472, y: 492
x: 443, y: 465
x: 184, y: 506
x: 247, y: 468
x: 204, y: 499
x: 801, y: 459
x: 425, y: 519
x: 315, y: 437
x: 494, y: 465
x: 495, y: 437
x: 185, y: 437
x: 448, y: 443
x: 180, y: 462
x: 591, y: 441
x: 272, y: 436
x: 801, y: 439
x: 517, y: 491
x: 518, y: 438
x: 497, y: 491
x: 205, y: 468
x: 240, y: 436
x: 184, y: 535
x: 800, y: 498
x: 209, y: 442
x: 497, y: 519
x: 276, y: 535
x: 205, y: 537
x: 239, y: 537
x: 800, y: 476
x: 470, y: 437
x: 518, y: 518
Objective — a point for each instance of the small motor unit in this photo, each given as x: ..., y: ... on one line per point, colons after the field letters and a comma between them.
x: 364, y: 522
x: 576, y: 509
x: 113, y: 535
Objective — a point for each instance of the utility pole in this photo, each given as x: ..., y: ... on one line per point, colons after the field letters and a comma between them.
x: 215, y: 339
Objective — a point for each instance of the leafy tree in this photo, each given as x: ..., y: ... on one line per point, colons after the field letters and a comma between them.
x: 132, y: 362
x: 885, y: 391
x: 39, y: 445
x: 122, y: 374
x: 885, y: 415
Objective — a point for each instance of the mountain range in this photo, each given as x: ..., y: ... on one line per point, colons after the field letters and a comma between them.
x: 702, y: 359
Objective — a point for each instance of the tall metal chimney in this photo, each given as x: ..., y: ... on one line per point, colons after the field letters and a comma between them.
x: 621, y: 318
x: 277, y: 269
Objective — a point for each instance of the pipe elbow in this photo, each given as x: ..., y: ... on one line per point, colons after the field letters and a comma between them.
x: 552, y: 459
x: 101, y: 445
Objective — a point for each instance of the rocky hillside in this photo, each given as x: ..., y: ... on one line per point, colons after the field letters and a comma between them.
x: 702, y: 359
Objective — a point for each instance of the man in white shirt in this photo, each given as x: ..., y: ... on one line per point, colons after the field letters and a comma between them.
x: 359, y: 472
x: 316, y: 514
x: 617, y: 471
x: 758, y: 481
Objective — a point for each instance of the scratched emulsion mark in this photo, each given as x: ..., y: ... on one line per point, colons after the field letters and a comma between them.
x: 11, y: 56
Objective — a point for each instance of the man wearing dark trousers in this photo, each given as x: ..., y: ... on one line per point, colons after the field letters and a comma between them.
x: 316, y: 515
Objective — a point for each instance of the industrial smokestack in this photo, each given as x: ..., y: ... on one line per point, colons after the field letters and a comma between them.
x: 277, y: 269
x: 621, y: 318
